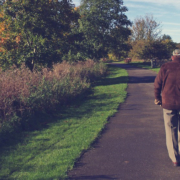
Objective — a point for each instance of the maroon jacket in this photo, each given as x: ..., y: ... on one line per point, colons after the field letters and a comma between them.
x: 167, y: 85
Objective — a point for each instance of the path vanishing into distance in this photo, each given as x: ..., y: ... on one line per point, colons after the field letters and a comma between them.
x: 132, y: 146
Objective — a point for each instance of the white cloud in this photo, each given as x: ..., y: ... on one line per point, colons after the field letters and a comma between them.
x: 151, y: 9
x: 131, y: 5
x: 170, y: 23
x: 142, y: 10
x: 172, y: 31
x: 173, y: 2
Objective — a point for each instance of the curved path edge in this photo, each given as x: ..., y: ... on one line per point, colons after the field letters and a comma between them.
x: 133, y: 144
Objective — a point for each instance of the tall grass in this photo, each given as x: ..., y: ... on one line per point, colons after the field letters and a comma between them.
x: 23, y: 92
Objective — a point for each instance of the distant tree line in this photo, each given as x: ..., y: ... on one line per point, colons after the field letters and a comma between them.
x: 147, y: 41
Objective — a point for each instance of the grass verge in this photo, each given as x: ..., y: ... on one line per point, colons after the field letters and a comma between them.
x: 146, y: 65
x: 48, y: 153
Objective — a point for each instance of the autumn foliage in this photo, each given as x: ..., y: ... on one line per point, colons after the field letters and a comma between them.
x: 3, y: 36
x: 147, y: 42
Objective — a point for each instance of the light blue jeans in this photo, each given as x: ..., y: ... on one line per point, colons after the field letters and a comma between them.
x: 171, y: 122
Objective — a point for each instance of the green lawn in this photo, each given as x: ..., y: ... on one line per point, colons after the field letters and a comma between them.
x: 48, y: 153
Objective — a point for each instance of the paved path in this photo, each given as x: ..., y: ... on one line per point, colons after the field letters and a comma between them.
x: 133, y: 144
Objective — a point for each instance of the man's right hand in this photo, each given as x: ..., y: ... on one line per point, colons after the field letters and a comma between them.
x: 157, y: 102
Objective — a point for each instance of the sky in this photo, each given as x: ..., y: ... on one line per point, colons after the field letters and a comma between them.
x: 165, y: 12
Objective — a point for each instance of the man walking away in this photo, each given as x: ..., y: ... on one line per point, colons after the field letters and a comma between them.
x: 167, y: 94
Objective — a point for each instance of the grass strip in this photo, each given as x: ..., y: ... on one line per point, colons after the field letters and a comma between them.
x: 145, y: 65
x: 48, y: 153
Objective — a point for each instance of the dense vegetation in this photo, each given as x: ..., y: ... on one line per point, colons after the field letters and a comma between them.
x: 42, y: 32
x: 41, y: 45
x: 49, y: 151
x: 147, y: 41
x: 24, y: 93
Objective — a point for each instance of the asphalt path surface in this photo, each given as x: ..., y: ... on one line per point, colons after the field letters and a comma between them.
x: 132, y: 146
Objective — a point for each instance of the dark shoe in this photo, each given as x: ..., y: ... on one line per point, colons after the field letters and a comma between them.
x: 175, y: 164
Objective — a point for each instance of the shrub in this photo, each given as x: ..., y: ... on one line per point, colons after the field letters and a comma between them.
x: 25, y: 92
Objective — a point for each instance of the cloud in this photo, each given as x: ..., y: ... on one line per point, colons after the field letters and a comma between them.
x: 151, y: 9
x: 172, y: 30
x: 174, y: 33
x: 163, y: 2
x: 131, y: 5
x: 142, y: 10
x: 172, y: 3
x: 170, y: 23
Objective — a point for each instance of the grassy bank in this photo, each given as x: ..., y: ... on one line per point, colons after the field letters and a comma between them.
x: 49, y: 152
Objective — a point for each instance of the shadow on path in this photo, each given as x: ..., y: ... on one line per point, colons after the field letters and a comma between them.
x: 92, y: 177
x: 122, y: 79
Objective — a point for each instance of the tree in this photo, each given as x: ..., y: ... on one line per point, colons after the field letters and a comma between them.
x: 104, y: 26
x: 38, y: 31
x: 3, y: 32
x: 1, y: 2
x: 155, y: 49
x: 75, y: 37
x: 177, y: 45
x: 146, y: 28
x: 169, y: 44
x: 147, y: 42
x: 137, y: 49
x: 158, y: 50
x: 165, y: 37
